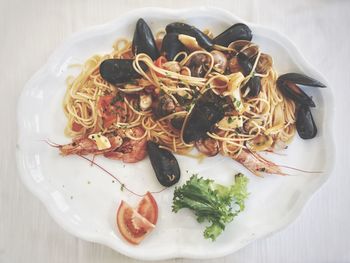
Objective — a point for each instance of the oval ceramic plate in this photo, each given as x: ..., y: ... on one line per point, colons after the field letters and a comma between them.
x: 83, y: 199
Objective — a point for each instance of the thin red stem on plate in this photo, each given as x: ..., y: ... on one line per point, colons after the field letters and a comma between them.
x: 113, y: 176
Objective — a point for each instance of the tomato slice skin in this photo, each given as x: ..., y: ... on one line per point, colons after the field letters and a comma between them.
x: 148, y: 208
x: 132, y: 226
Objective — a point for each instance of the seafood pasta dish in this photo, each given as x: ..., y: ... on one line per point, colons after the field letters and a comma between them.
x: 185, y: 91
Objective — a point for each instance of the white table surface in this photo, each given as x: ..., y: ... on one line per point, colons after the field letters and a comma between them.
x: 31, y: 30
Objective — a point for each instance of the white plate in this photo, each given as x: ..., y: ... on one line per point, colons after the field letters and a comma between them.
x: 83, y: 200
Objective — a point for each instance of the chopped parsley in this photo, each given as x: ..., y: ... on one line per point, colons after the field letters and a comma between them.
x: 116, y: 98
x: 230, y: 120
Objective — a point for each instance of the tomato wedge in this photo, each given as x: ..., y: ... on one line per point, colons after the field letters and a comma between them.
x: 148, y: 208
x: 132, y: 226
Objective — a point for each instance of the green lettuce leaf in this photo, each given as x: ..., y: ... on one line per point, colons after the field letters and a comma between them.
x: 212, y: 202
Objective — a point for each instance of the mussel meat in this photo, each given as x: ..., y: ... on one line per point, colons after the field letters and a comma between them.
x: 143, y: 41
x: 287, y: 83
x: 235, y: 32
x: 171, y: 46
x: 234, y: 66
x: 163, y: 106
x: 116, y: 71
x: 164, y: 164
x: 305, y: 124
x: 208, y: 110
x: 181, y: 28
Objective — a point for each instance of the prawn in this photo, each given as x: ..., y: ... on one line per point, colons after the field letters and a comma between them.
x: 131, y: 151
x: 83, y: 146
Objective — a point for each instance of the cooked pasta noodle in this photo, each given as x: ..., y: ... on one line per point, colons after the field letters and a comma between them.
x: 269, y: 114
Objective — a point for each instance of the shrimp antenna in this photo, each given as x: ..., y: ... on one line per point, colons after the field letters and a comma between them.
x: 52, y: 144
x: 300, y: 170
x: 92, y: 161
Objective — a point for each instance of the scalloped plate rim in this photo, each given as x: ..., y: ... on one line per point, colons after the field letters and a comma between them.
x: 51, y: 65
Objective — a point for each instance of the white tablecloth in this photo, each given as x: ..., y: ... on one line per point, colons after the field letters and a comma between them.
x: 31, y: 30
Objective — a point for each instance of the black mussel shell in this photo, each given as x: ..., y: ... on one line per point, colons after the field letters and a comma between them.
x: 143, y: 41
x: 181, y: 28
x: 306, y: 126
x: 236, y: 32
x: 177, y: 122
x: 164, y: 164
x: 287, y: 83
x: 116, y: 71
x: 245, y: 63
x: 301, y: 79
x: 292, y: 91
x: 254, y: 85
x: 171, y: 46
x: 208, y: 110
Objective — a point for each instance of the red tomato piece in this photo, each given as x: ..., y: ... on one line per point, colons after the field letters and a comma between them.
x: 148, y: 208
x: 106, y: 110
x: 132, y: 226
x: 109, y: 111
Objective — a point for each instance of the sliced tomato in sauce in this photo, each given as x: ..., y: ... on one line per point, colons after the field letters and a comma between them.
x: 106, y: 110
x: 148, y: 208
x: 132, y: 226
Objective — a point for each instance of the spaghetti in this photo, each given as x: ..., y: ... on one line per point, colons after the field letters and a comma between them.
x: 265, y: 121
